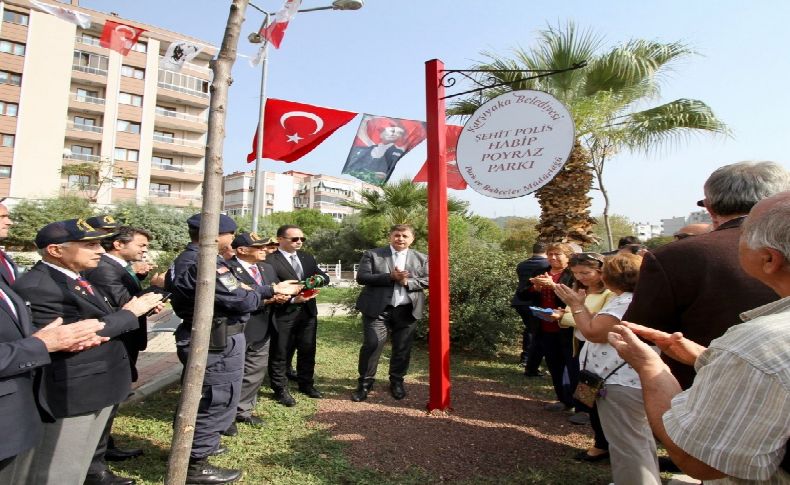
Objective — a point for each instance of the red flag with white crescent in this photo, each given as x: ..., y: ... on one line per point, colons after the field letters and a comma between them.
x: 275, y: 31
x: 292, y: 130
x: 119, y: 37
x: 454, y: 178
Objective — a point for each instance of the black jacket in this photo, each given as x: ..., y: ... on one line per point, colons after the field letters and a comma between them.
x: 257, y: 328
x: 285, y: 272
x: 87, y: 381
x: 525, y: 270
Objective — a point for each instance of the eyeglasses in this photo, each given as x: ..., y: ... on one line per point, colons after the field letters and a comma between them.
x: 295, y: 239
x: 701, y: 203
x: 579, y: 257
x: 681, y: 235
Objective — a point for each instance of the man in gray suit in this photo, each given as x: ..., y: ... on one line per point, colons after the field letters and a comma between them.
x: 391, y: 302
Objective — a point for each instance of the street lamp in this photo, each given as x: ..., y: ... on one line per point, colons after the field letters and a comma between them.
x: 257, y: 38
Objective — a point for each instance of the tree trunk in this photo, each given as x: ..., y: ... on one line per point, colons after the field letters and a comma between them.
x: 605, y: 194
x: 564, y: 203
x: 184, y: 428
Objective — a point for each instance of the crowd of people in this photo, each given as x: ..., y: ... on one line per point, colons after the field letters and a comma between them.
x: 716, y: 394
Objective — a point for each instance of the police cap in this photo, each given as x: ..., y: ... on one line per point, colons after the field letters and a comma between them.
x: 66, y: 231
x: 226, y: 224
x: 105, y: 221
x: 248, y: 239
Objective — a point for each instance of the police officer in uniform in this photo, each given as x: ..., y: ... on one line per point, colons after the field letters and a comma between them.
x: 233, y: 302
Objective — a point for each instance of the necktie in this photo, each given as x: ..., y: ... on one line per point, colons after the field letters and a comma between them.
x: 130, y: 270
x: 297, y: 266
x: 399, y: 292
x: 7, y: 300
x: 85, y: 285
x: 256, y: 275
x: 7, y: 269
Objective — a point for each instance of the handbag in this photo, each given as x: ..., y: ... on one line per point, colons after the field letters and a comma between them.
x: 590, y: 384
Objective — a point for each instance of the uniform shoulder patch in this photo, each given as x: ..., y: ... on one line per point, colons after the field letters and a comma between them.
x: 228, y: 280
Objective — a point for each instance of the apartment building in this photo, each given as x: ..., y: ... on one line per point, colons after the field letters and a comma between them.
x: 77, y: 118
x: 293, y: 190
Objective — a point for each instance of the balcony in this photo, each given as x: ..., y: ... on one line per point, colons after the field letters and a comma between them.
x: 181, y: 116
x: 179, y: 141
x: 89, y: 69
x: 79, y: 157
x: 183, y: 89
x: 180, y: 199
x: 84, y: 127
x: 176, y: 120
x: 87, y: 99
x: 88, y: 41
x: 176, y: 168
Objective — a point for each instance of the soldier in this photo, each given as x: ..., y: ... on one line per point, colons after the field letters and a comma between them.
x: 233, y: 302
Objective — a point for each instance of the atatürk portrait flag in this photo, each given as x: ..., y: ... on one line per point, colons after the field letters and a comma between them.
x: 379, y: 144
x: 292, y: 130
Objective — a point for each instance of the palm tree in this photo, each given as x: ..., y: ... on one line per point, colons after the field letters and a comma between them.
x: 402, y: 202
x: 607, y: 100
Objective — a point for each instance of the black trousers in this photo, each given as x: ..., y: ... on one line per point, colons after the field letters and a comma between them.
x: 558, y: 348
x: 300, y: 328
x: 400, y: 324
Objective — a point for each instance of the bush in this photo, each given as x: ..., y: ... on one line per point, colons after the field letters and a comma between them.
x: 31, y: 215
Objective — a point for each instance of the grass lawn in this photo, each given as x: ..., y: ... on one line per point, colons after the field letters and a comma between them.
x: 292, y: 449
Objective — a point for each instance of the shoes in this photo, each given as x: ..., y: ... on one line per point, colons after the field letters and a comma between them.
x: 584, y: 456
x: 290, y: 374
x: 107, y: 478
x: 665, y: 464
x: 284, y: 397
x: 535, y: 374
x: 311, y: 391
x: 523, y: 362
x: 251, y: 420
x: 397, y: 390
x: 556, y: 407
x: 231, y: 431
x: 221, y: 450
x: 200, y: 472
x: 361, y: 393
x: 580, y: 418
x: 119, y: 454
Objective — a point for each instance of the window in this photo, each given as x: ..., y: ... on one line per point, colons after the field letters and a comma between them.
x: 91, y: 63
x: 164, y: 136
x: 140, y: 47
x: 88, y: 39
x: 161, y: 161
x: 12, y: 48
x: 15, y: 17
x: 79, y: 120
x: 5, y: 172
x: 7, y: 140
x: 79, y: 181
x: 183, y: 83
x: 160, y: 189
x: 8, y: 109
x: 124, y: 183
x: 132, y: 99
x: 127, y: 154
x: 128, y: 127
x: 88, y: 95
x: 166, y: 111
x: 10, y: 78
x: 134, y: 72
x: 81, y: 150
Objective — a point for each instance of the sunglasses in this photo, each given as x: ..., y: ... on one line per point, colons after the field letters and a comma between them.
x: 295, y: 239
x: 579, y: 257
x: 681, y: 235
x: 701, y: 203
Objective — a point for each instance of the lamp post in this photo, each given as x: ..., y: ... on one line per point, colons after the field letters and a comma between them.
x: 257, y: 38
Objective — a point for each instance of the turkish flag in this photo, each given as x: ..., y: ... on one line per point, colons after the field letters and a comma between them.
x: 275, y: 31
x: 454, y: 178
x: 119, y: 37
x: 292, y: 130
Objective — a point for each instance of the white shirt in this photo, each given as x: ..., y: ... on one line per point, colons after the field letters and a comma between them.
x: 71, y: 274
x: 399, y: 296
x: 118, y: 260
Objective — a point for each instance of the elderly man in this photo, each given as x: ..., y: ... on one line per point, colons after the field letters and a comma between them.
x: 21, y: 352
x: 79, y: 390
x: 733, y: 424
x: 695, y: 285
x: 692, y: 230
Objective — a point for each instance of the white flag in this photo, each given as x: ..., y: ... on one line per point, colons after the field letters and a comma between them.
x: 179, y: 53
x: 77, y: 18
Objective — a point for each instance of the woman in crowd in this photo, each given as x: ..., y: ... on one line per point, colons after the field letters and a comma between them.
x: 621, y: 408
x: 586, y: 269
x: 557, y: 343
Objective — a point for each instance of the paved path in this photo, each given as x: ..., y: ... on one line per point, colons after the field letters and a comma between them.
x: 158, y: 365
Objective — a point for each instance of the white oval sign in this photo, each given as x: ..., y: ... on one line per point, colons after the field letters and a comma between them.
x: 515, y: 144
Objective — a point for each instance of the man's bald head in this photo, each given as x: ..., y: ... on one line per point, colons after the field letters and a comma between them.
x: 692, y: 230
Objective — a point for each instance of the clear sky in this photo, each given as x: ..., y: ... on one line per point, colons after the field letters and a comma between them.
x: 372, y: 61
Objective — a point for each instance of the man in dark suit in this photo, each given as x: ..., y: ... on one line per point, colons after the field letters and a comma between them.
x: 249, y: 268
x: 696, y: 285
x: 391, y: 302
x: 295, y: 321
x: 116, y: 279
x: 21, y: 353
x: 537, y: 264
x: 80, y: 389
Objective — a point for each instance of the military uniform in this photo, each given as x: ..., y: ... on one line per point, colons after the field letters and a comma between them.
x: 233, y: 303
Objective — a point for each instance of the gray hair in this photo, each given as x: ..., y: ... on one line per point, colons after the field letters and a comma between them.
x: 734, y: 189
x: 770, y: 230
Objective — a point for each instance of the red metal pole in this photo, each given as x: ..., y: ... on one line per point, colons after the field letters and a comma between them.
x: 438, y: 248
